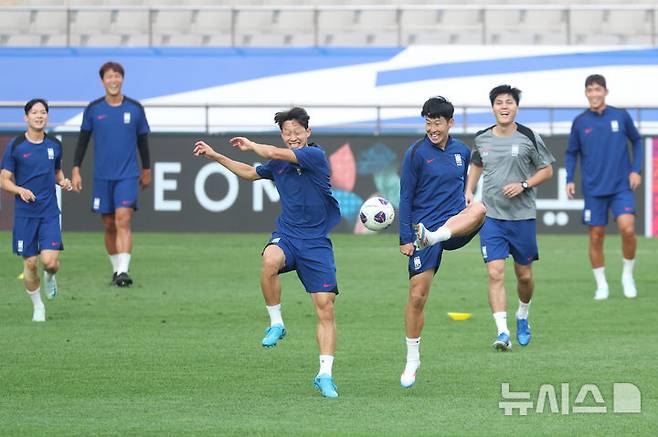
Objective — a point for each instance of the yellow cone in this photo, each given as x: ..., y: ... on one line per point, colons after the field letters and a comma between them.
x: 460, y: 316
x: 20, y: 276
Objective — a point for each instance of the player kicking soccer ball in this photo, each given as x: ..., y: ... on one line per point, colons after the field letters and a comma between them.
x: 308, y: 212
x: 432, y: 193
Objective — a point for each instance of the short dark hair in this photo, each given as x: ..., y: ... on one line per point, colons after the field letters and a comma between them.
x: 111, y: 65
x: 33, y: 102
x: 297, y: 114
x: 505, y: 89
x: 436, y: 107
x: 597, y: 79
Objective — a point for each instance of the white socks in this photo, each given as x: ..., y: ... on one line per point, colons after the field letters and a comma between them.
x: 123, y: 263
x: 599, y: 273
x: 413, y: 355
x: 114, y: 259
x: 599, y: 276
x: 36, y: 298
x: 501, y: 322
x: 522, y: 312
x: 628, y: 268
x: 441, y: 234
x: 120, y: 262
x: 276, y: 318
x: 326, y: 363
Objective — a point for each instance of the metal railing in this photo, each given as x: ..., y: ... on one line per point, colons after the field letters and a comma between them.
x: 486, y: 26
x: 365, y: 119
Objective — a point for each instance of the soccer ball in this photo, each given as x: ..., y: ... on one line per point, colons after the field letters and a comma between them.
x: 376, y: 214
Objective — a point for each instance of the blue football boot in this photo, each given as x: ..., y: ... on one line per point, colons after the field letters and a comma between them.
x: 273, y: 334
x: 325, y: 384
x: 502, y: 342
x: 523, y: 334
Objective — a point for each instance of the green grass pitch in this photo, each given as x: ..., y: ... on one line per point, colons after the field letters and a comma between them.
x: 179, y: 353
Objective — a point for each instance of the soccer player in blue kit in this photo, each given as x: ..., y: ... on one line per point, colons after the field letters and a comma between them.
x: 119, y: 128
x: 308, y: 212
x: 31, y: 166
x: 600, y: 137
x: 433, y: 215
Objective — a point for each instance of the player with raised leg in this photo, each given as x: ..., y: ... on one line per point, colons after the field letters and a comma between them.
x: 308, y: 212
x: 432, y: 196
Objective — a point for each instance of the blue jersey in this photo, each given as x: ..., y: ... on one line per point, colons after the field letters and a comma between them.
x: 34, y: 167
x: 601, y: 140
x: 308, y: 209
x: 115, y: 130
x: 432, y: 185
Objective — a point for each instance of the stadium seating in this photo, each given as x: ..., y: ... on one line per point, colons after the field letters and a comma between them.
x: 373, y: 23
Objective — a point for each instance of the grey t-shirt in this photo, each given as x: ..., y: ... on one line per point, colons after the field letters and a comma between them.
x: 506, y: 160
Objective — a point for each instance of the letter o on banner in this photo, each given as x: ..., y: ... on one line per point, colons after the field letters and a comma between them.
x: 200, y: 188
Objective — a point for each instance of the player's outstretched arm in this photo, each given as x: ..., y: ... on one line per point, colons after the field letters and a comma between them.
x: 7, y: 183
x: 240, y: 169
x: 264, y: 150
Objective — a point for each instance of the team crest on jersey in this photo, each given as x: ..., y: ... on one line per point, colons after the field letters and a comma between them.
x: 458, y: 160
x: 51, y: 153
x: 417, y: 263
x: 484, y: 152
x: 515, y: 150
x: 614, y: 125
x: 126, y: 118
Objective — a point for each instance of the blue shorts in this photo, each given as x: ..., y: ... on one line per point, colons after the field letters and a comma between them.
x: 312, y: 259
x: 596, y: 207
x: 499, y: 238
x: 110, y: 195
x: 34, y: 234
x: 430, y: 257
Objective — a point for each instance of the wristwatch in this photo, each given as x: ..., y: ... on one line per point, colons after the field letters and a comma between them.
x: 525, y: 185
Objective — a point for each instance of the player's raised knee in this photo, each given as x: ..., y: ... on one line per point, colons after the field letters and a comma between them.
x: 272, y: 262
x: 479, y: 210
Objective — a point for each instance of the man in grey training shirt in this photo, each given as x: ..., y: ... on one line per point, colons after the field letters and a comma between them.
x: 513, y: 160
